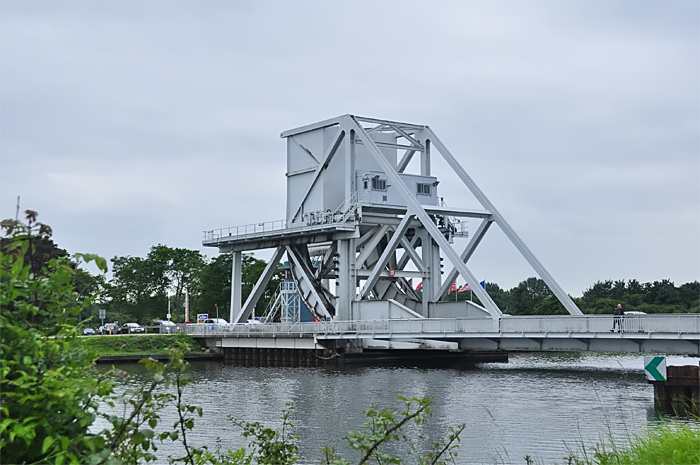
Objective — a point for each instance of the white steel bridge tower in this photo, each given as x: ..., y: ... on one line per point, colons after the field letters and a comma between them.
x: 361, y: 231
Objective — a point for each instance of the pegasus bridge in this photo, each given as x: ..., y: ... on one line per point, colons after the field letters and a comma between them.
x: 364, y: 224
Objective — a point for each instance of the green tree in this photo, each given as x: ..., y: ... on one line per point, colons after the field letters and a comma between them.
x: 499, y: 296
x: 599, y: 290
x: 662, y: 292
x: 49, y: 390
x: 40, y: 248
x: 252, y: 269
x: 551, y: 306
x: 527, y: 295
x: 88, y: 286
x: 690, y: 295
x: 215, y: 285
x: 131, y: 292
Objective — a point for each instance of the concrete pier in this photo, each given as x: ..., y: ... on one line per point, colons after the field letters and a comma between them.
x: 680, y: 393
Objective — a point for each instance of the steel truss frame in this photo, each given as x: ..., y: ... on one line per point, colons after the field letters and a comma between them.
x: 371, y: 253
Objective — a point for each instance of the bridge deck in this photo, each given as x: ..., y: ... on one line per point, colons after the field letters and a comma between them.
x: 644, y: 333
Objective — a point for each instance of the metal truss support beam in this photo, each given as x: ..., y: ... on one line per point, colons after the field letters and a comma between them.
x: 404, y: 259
x: 427, y: 222
x: 299, y: 267
x: 388, y: 251
x: 413, y: 255
x: 505, y: 227
x: 405, y: 160
x: 372, y: 244
x: 326, y: 260
x: 259, y: 287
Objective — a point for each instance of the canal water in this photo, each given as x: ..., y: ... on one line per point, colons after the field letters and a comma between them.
x: 542, y: 406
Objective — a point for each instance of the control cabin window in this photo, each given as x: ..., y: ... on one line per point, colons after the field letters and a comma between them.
x: 423, y: 188
x: 378, y: 184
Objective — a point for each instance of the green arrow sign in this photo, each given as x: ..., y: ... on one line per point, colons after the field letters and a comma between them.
x: 655, y: 368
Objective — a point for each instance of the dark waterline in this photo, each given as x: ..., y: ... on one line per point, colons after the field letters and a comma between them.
x: 543, y: 406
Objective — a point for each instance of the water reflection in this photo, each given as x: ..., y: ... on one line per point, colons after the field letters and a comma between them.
x: 544, y: 406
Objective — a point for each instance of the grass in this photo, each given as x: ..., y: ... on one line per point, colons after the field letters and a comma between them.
x: 137, y: 344
x: 670, y: 443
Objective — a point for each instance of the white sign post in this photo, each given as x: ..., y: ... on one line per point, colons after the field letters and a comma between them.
x: 655, y: 368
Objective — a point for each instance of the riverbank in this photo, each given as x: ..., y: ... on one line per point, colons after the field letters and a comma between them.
x: 131, y: 348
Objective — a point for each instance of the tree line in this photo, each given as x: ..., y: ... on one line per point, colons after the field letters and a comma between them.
x: 533, y: 297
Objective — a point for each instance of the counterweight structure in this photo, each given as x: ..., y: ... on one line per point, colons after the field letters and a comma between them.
x: 361, y: 232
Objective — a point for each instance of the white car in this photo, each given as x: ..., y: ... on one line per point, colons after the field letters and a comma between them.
x: 165, y: 327
x: 130, y: 328
x: 216, y: 321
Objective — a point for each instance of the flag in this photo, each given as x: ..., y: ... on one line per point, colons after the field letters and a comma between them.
x: 483, y: 284
x: 465, y: 288
x: 453, y: 287
x: 420, y: 286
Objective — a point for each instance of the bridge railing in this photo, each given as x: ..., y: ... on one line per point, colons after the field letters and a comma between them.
x: 455, y: 327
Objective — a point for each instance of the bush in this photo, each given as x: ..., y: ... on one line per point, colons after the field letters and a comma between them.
x: 138, y: 345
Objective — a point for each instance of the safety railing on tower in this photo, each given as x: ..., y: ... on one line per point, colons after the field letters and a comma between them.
x: 344, y: 213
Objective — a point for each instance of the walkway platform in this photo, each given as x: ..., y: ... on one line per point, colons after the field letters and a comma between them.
x: 669, y: 334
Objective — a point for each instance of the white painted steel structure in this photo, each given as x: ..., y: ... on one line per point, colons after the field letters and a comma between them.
x: 358, y: 219
x: 670, y: 334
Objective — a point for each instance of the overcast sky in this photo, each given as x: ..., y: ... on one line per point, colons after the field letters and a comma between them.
x: 126, y: 124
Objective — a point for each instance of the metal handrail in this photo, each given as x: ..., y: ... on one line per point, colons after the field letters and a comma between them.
x: 344, y: 213
x: 590, y: 324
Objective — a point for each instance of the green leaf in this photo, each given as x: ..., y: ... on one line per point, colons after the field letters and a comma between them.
x: 48, y: 441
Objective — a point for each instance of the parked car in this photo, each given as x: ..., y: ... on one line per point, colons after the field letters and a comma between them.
x: 165, y: 327
x: 88, y: 332
x: 129, y: 328
x: 216, y: 321
x: 108, y: 328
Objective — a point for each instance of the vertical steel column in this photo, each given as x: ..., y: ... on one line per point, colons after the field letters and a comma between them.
x: 427, y: 255
x: 350, y: 165
x: 425, y: 159
x: 346, y: 290
x: 236, y: 278
x: 436, y: 281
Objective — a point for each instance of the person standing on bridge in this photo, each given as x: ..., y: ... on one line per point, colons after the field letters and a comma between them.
x: 617, y: 318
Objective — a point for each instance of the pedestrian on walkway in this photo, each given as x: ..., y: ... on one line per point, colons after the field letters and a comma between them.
x: 618, y: 312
